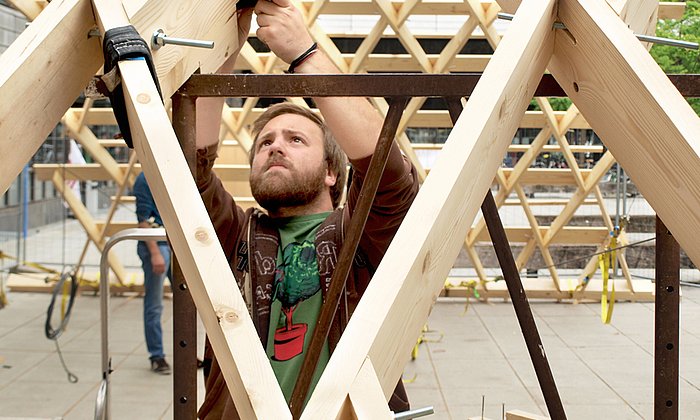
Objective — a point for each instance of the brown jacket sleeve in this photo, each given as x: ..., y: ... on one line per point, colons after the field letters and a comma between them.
x: 397, y: 189
x: 225, y: 215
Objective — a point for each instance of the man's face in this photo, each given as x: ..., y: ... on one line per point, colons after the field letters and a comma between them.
x: 288, y: 168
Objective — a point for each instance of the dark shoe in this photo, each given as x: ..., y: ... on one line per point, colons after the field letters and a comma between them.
x: 160, y: 366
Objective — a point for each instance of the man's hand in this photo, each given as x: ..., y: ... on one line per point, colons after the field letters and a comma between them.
x: 282, y: 28
x: 158, y: 263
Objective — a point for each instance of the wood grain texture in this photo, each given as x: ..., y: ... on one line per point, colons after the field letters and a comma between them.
x: 230, y: 329
x: 393, y: 310
x: 637, y: 112
x: 41, y: 73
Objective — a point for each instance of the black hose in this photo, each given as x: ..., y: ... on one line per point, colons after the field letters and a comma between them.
x: 51, y: 333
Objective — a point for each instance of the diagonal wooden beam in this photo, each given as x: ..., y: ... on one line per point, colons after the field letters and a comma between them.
x: 247, y: 371
x: 656, y: 135
x: 41, y: 74
x: 54, y: 59
x: 400, y: 296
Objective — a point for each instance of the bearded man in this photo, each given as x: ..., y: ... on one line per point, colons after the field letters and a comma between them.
x: 283, y: 259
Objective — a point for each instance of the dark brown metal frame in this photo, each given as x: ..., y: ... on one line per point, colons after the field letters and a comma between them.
x: 398, y: 88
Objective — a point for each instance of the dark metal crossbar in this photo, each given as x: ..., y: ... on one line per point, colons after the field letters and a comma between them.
x: 398, y: 88
x: 370, y: 85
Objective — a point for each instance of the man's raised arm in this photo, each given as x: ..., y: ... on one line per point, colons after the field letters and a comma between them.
x: 354, y: 122
x: 209, y: 109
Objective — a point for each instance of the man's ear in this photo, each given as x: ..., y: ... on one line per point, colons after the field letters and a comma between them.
x: 331, y: 178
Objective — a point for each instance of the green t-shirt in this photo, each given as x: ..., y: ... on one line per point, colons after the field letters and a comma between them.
x: 296, y: 301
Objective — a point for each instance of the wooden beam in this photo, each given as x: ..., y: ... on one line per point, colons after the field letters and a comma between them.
x: 366, y: 398
x: 54, y: 59
x: 647, y: 125
x: 548, y: 202
x: 671, y: 9
x: 542, y: 288
x: 248, y: 373
x: 96, y: 172
x: 86, y: 221
x: 575, y: 235
x: 29, y: 8
x: 401, y: 293
x: 546, y: 176
x: 41, y: 74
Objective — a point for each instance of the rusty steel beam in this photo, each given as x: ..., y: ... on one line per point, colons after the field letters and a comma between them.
x: 370, y: 85
x: 666, y: 324
x: 184, y: 310
x: 526, y: 320
x: 347, y: 252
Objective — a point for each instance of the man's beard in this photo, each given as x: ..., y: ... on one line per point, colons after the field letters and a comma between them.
x: 274, y: 191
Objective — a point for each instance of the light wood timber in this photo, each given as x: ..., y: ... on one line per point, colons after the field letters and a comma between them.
x: 37, y: 65
x: 96, y: 172
x: 366, y: 398
x: 546, y: 176
x: 575, y: 235
x: 88, y: 140
x: 666, y: 171
x: 522, y: 148
x: 249, y: 376
x: 536, y: 234
x: 40, y: 50
x: 29, y: 8
x: 86, y: 221
x: 546, y: 202
x: 640, y: 16
x: 522, y: 415
x: 667, y: 9
x: 388, y: 62
x: 671, y: 9
x: 400, y: 295
x: 542, y: 288
x: 422, y: 118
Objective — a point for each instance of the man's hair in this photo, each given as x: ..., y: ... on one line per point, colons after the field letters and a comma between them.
x: 335, y: 157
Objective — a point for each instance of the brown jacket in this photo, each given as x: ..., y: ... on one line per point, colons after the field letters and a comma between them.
x: 250, y: 242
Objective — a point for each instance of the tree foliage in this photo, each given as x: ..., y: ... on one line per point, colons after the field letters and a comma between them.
x: 675, y: 60
x: 672, y: 60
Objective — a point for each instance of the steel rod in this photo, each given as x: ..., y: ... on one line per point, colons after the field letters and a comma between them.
x: 103, y: 403
x: 413, y: 414
x: 347, y: 252
x: 666, y: 324
x: 184, y: 310
x: 517, y: 294
x: 645, y: 38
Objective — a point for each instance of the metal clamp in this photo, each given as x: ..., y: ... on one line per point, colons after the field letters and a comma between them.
x: 159, y: 39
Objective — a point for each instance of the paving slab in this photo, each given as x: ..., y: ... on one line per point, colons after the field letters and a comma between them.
x: 466, y: 357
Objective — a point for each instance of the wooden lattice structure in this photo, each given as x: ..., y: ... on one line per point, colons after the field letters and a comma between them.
x: 392, y: 22
x: 596, y: 60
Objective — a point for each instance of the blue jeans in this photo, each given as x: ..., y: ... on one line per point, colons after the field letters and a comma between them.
x: 153, y: 298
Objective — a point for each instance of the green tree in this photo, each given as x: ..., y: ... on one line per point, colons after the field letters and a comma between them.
x: 675, y: 60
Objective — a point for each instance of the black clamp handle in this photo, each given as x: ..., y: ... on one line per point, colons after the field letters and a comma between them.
x: 124, y: 43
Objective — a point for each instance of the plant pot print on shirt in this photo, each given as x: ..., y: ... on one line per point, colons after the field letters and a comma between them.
x: 296, y: 280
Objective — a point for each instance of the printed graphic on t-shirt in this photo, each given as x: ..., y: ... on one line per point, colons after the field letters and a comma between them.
x: 296, y: 280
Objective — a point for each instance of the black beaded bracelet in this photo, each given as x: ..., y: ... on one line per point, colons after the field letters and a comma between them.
x: 306, y: 54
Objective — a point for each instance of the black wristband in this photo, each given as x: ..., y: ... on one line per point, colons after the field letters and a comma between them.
x: 306, y: 54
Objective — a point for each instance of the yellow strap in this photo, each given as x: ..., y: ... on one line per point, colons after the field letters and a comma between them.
x: 606, y: 303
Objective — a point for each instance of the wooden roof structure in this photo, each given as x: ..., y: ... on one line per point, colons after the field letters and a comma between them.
x: 608, y: 74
